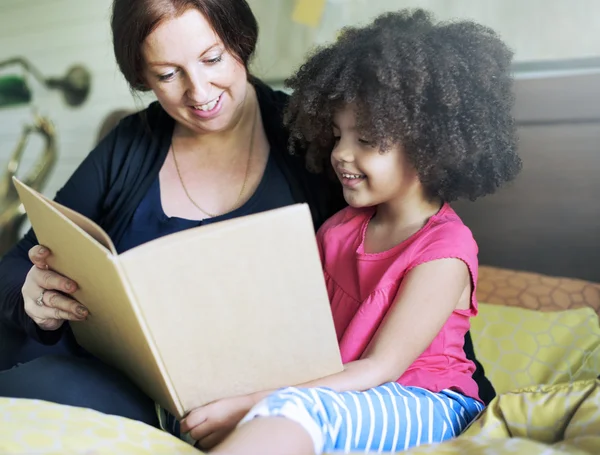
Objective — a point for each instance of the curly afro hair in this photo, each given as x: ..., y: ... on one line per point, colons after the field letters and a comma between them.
x: 443, y: 91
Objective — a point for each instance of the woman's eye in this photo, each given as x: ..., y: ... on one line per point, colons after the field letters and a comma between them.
x: 212, y: 61
x: 166, y: 77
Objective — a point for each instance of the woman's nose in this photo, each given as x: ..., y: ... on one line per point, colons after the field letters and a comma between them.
x: 198, y: 87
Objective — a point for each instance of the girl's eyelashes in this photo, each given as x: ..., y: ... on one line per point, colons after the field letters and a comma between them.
x: 362, y: 141
x: 366, y: 142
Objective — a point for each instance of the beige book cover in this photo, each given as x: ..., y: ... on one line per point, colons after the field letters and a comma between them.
x: 219, y: 310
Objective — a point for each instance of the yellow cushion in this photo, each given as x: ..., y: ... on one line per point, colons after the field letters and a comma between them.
x: 543, y: 420
x: 550, y: 414
x: 520, y: 347
x: 42, y: 428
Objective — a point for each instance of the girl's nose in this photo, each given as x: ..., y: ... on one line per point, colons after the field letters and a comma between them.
x: 342, y: 153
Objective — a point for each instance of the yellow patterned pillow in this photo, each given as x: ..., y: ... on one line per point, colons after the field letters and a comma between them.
x: 560, y: 419
x: 520, y: 347
x: 38, y: 427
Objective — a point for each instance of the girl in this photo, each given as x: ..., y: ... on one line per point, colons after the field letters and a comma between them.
x: 412, y: 115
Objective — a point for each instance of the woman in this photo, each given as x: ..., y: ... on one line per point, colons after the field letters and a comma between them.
x: 212, y: 147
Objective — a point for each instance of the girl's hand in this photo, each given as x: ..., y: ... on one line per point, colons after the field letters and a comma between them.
x: 210, y: 424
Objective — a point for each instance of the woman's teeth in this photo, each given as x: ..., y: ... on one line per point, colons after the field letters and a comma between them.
x: 208, y: 106
x: 352, y: 176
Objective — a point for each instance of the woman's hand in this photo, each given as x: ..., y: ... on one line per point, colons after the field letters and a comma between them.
x: 46, y: 294
x: 210, y: 424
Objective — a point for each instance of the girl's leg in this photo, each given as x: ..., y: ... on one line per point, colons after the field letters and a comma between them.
x: 267, y: 436
x: 388, y: 418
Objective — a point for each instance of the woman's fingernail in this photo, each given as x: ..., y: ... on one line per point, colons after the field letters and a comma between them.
x: 81, y: 310
x: 68, y: 285
x: 42, y: 250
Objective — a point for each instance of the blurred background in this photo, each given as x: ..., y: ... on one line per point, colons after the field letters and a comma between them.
x: 59, y: 83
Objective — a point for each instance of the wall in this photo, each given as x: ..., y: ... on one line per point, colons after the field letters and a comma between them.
x: 53, y: 35
x: 548, y: 219
x: 535, y: 29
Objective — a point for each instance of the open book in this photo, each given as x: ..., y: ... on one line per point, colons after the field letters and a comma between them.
x: 220, y: 310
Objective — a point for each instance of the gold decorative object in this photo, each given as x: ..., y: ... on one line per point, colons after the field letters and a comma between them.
x: 12, y: 213
x: 14, y: 91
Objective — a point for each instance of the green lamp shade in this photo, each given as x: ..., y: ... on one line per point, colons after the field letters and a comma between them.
x: 13, y: 91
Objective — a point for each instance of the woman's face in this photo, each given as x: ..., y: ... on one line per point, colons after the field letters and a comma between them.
x: 196, y: 80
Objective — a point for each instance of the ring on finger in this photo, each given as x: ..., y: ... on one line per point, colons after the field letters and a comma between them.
x: 40, y: 299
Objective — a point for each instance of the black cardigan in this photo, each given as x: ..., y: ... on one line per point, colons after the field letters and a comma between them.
x: 111, y: 181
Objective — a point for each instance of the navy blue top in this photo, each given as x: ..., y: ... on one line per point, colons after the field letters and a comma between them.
x: 150, y: 222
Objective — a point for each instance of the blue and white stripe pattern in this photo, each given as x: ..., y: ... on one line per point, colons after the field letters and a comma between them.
x: 387, y: 418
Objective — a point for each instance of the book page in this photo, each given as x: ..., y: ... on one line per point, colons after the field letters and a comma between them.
x: 237, y: 306
x: 86, y: 225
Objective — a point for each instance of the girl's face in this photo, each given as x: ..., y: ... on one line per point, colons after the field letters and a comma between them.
x: 369, y: 176
x: 195, y: 79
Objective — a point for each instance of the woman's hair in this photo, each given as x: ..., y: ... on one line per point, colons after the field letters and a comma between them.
x: 133, y: 20
x: 443, y: 91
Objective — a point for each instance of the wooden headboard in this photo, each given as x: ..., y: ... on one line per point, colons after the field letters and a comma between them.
x: 548, y: 219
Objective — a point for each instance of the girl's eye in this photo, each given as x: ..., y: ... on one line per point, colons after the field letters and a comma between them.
x: 212, y: 61
x: 365, y: 142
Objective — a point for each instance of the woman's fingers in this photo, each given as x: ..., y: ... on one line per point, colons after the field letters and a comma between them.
x: 46, y: 295
x: 38, y: 255
x: 63, y: 307
x: 50, y: 312
x: 50, y: 280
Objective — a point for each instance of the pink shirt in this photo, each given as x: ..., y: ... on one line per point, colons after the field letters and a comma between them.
x: 362, y: 287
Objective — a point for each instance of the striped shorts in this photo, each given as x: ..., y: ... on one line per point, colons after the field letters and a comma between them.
x: 387, y: 418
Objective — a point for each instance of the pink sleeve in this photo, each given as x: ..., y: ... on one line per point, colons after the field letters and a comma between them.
x: 325, y: 229
x: 450, y: 240
x: 320, y: 235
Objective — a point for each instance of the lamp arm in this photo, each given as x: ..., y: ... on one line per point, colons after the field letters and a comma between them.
x: 27, y: 66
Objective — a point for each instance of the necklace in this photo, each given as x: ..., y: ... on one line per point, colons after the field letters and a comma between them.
x: 212, y: 215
